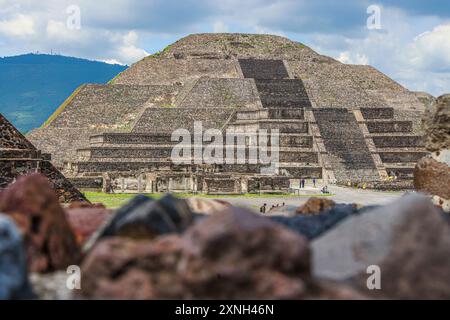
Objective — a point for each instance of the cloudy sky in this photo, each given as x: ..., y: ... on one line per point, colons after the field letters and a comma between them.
x: 409, y: 40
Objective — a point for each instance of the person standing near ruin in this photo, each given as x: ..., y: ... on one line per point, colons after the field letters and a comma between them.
x: 314, y: 182
x: 263, y: 208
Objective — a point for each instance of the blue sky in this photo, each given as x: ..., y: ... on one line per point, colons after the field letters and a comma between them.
x: 412, y: 46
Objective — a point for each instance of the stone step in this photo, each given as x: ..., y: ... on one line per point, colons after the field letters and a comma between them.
x: 377, y: 113
x: 401, y: 157
x: 286, y: 113
x: 263, y: 69
x: 395, y: 141
x: 86, y: 168
x: 127, y: 154
x: 252, y: 114
x: 401, y: 172
x: 287, y: 93
x: 295, y: 140
x: 283, y: 125
x: 19, y: 153
x: 389, y: 126
x: 130, y: 138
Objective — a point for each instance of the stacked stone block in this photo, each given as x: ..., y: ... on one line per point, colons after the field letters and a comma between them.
x: 19, y: 157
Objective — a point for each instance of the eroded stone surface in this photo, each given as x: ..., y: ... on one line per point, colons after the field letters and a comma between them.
x: 436, y: 122
x: 432, y: 177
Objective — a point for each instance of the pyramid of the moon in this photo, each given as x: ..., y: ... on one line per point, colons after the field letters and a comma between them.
x: 18, y: 157
x: 337, y: 122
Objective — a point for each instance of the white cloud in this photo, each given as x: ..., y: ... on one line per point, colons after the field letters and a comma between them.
x: 220, y: 27
x: 112, y: 61
x: 18, y: 26
x: 351, y: 58
x: 411, y: 48
x: 128, y: 51
x: 431, y: 49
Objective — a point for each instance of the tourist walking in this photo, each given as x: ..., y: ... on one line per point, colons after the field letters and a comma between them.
x: 263, y: 208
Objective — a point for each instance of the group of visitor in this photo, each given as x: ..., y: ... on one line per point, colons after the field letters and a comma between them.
x: 263, y: 208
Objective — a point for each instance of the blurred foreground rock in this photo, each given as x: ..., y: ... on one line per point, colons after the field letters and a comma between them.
x: 312, y: 226
x: 418, y: 263
x: 85, y: 221
x: 145, y: 218
x: 432, y: 174
x: 315, y: 205
x: 48, y: 238
x: 408, y: 240
x: 14, y: 282
x: 234, y: 254
x: 51, y: 286
x: 206, y: 206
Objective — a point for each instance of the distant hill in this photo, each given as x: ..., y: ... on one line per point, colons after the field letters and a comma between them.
x: 32, y: 86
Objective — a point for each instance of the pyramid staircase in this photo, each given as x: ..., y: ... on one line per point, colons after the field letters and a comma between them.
x: 284, y: 102
x: 345, y: 146
x: 396, y: 143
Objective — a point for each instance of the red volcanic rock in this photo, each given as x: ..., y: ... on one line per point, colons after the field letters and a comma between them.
x: 122, y: 268
x: 33, y: 205
x: 233, y: 254
x: 315, y: 205
x: 237, y: 254
x: 84, y: 221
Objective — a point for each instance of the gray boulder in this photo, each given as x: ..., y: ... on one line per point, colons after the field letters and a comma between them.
x: 366, y: 239
x: 14, y: 282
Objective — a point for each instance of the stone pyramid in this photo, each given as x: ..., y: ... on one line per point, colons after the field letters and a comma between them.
x: 18, y: 157
x: 337, y: 123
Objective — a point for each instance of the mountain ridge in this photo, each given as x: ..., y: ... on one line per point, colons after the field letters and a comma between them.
x: 34, y: 85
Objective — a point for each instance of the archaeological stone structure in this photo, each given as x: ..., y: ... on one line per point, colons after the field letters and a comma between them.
x: 335, y: 122
x: 19, y: 157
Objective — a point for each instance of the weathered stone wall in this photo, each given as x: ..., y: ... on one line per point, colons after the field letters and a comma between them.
x: 109, y: 106
x: 398, y: 141
x: 157, y: 119
x: 62, y: 143
x: 389, y: 126
x: 215, y: 46
x: 328, y: 85
x: 11, y: 138
x: 377, y: 113
x: 157, y: 71
x: 221, y: 93
x: 401, y: 157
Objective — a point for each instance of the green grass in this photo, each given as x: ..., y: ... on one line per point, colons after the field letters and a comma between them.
x: 117, y: 200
